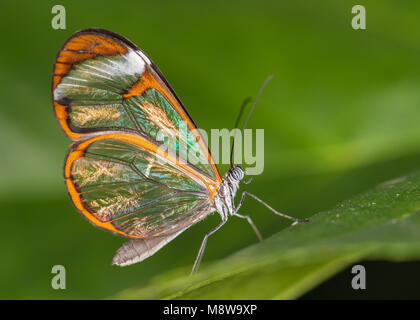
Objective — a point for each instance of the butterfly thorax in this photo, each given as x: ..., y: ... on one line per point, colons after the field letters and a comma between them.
x: 223, y: 200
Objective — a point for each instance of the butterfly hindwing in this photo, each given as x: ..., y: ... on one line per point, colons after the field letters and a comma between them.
x: 127, y: 185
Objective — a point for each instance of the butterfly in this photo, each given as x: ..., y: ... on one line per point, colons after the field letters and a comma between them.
x: 114, y: 103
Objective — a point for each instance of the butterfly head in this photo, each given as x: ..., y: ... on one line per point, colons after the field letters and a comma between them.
x: 236, y: 173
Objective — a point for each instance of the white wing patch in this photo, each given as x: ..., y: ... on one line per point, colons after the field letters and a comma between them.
x: 133, y: 64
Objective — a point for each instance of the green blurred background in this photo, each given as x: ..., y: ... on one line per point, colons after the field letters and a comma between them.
x: 341, y: 115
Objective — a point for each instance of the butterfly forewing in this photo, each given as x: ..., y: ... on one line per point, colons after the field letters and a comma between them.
x: 103, y: 82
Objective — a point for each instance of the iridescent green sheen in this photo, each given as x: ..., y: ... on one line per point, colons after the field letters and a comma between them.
x: 158, y: 119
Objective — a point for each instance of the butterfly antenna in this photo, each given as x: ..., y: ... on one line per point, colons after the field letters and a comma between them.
x: 238, y: 118
x: 256, y: 100
x: 246, y: 101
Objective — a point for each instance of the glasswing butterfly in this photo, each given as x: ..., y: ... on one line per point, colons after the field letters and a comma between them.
x: 112, y: 100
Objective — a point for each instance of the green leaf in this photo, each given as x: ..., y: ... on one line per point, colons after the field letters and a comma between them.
x: 383, y: 223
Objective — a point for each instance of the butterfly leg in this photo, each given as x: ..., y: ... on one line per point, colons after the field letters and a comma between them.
x: 251, y: 223
x: 241, y: 201
x: 245, y: 193
x: 203, y: 246
x: 257, y: 232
